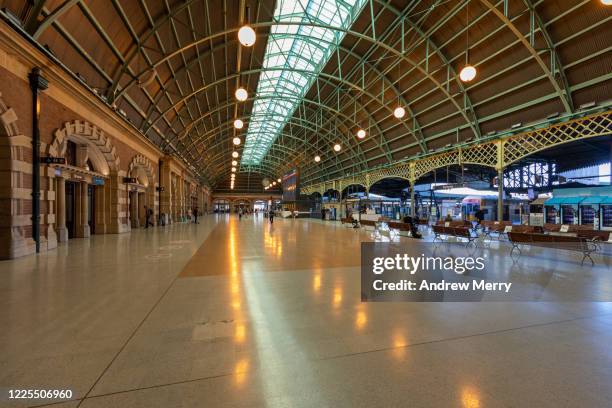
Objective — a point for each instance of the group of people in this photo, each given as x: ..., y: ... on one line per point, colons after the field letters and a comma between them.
x: 195, y: 212
x: 245, y: 211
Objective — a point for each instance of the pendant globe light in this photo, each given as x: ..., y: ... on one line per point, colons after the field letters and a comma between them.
x: 361, y: 133
x: 317, y: 158
x: 235, y: 155
x: 468, y: 72
x: 246, y: 35
x: 337, y: 147
x: 238, y: 124
x: 236, y: 141
x: 399, y: 112
x: 241, y: 94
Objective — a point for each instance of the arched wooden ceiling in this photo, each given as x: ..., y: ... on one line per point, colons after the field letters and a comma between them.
x: 172, y: 68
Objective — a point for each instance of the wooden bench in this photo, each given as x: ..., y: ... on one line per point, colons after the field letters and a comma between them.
x: 494, y: 227
x: 570, y: 243
x: 458, y: 232
x: 402, y: 228
x: 368, y: 224
x: 347, y: 222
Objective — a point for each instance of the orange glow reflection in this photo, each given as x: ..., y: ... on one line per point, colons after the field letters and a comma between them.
x: 470, y: 398
x: 235, y: 298
x: 399, y: 345
x: 240, y: 333
x: 316, y: 283
x: 361, y: 320
x: 240, y: 370
x: 337, y: 296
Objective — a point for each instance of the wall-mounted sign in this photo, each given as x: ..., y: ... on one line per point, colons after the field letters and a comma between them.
x: 130, y: 180
x: 97, y: 181
x: 52, y: 160
x: 160, y: 188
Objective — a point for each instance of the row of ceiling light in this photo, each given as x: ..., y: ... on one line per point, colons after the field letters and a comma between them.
x: 235, y: 156
x: 247, y: 37
x: 272, y: 184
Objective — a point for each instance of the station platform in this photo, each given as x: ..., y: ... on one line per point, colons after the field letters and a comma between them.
x: 248, y: 313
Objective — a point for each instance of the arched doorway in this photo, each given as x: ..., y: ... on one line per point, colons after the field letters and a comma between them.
x: 83, y: 183
x: 141, y: 194
x: 241, y: 203
x: 221, y: 206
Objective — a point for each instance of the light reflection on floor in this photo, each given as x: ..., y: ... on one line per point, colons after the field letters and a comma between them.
x: 270, y: 315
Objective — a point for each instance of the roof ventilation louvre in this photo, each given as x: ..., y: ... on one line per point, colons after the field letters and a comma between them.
x: 492, y: 133
x: 516, y: 125
x: 588, y: 105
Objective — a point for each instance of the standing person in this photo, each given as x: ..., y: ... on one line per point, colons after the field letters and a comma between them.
x: 271, y: 216
x: 479, y: 215
x: 195, y: 215
x: 239, y: 213
x: 148, y: 217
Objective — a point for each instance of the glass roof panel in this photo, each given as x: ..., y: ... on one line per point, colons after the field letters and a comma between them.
x: 295, y: 55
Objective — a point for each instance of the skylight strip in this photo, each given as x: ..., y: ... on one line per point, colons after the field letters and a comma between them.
x: 295, y: 55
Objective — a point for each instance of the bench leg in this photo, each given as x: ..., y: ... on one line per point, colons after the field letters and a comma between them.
x: 514, y: 246
x: 587, y: 255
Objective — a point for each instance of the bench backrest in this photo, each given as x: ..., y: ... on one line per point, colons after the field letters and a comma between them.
x: 552, y: 227
x: 519, y: 237
x: 523, y: 228
x: 461, y: 232
x: 402, y: 226
x: 567, y: 242
x: 542, y: 238
x: 599, y: 235
x: 439, y: 229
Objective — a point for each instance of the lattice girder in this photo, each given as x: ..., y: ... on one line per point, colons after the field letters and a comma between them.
x: 525, y: 144
x: 401, y: 170
x: 497, y: 154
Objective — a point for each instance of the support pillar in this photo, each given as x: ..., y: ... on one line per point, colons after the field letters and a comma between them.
x: 60, y: 210
x: 134, y: 219
x: 500, y: 194
x: 82, y: 229
x: 412, y: 203
x: 100, y: 210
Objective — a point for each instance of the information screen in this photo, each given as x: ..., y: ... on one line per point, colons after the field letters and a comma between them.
x: 291, y: 182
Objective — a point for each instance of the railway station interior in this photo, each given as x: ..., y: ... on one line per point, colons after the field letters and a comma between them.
x: 193, y: 194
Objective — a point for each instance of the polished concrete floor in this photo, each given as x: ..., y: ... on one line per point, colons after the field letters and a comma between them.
x: 241, y: 313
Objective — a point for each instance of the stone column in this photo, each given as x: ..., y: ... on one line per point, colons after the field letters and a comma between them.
x: 82, y: 230
x: 101, y: 209
x: 60, y: 210
x: 115, y: 202
x: 133, y: 197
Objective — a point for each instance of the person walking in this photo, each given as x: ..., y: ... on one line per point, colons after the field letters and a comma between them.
x: 195, y: 215
x: 239, y: 213
x: 148, y: 217
x: 271, y: 216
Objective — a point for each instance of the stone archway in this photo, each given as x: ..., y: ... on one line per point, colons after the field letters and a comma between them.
x: 142, y: 169
x: 101, y: 204
x: 103, y: 155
